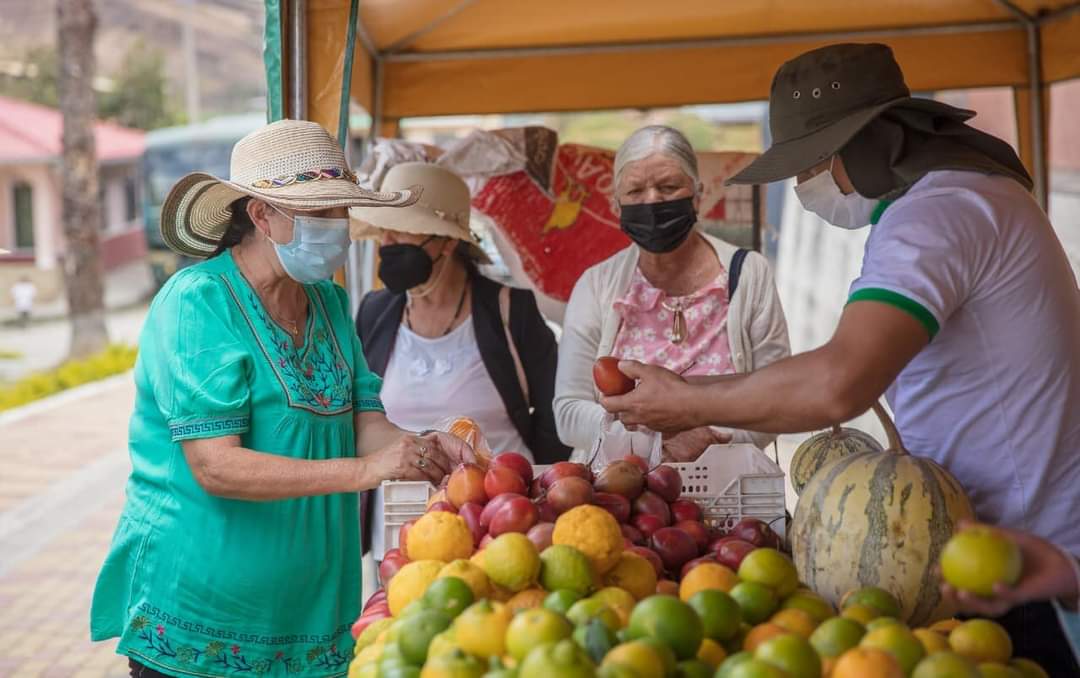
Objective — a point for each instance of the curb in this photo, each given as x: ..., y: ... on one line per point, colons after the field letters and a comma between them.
x: 62, y: 398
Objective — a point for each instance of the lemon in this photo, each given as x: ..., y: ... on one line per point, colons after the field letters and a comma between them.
x: 440, y: 535
x: 511, y: 561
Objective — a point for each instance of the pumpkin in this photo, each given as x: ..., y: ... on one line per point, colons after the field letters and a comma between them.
x: 879, y: 519
x: 818, y: 450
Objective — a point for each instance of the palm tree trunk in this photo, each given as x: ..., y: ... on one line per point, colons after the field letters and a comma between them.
x: 83, y: 272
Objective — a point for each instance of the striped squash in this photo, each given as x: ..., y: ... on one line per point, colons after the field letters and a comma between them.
x: 820, y: 449
x: 879, y: 519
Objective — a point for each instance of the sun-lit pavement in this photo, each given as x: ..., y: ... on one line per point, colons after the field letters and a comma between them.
x: 63, y: 463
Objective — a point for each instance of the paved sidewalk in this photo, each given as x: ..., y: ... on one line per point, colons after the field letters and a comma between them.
x: 62, y: 474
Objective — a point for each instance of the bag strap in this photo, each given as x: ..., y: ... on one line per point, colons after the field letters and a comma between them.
x: 504, y: 311
x: 735, y: 271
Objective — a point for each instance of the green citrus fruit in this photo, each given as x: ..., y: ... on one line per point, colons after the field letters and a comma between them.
x: 455, y: 664
x: 511, y: 561
x: 561, y: 659
x: 898, y: 641
x: 881, y: 600
x: 981, y: 640
x: 771, y: 568
x: 980, y: 557
x: 584, y: 611
x: 449, y: 595
x: 670, y: 621
x: 564, y: 567
x: 945, y: 665
x: 757, y: 601
x: 693, y: 668
x: 1029, y: 668
x: 995, y: 670
x: 879, y: 622
x: 719, y: 613
x: 596, y: 639
x: 836, y: 636
x: 810, y: 603
x: 561, y: 601
x: 531, y: 628
x: 416, y: 634
x: 731, y: 662
x: 641, y: 657
x: 753, y: 668
x: 792, y: 653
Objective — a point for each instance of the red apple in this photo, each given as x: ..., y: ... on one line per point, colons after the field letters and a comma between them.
x: 609, y: 379
x: 685, y: 509
x: 633, y: 534
x: 503, y: 480
x: 536, y: 489
x: 623, y: 478
x: 731, y: 553
x: 515, y: 515
x: 641, y: 462
x: 697, y: 531
x: 442, y: 506
x: 757, y: 533
x: 540, y: 535
x: 719, y: 539
x: 471, y: 513
x: 365, y: 620
x: 674, y: 546
x: 466, y: 484
x: 647, y: 524
x: 651, y: 504
x: 615, y: 504
x: 651, y: 556
x: 518, y: 462
x: 492, y: 506
x: 564, y: 469
x: 393, y: 560
x: 567, y: 493
x: 403, y: 537
x: 664, y: 481
x: 694, y: 563
x: 379, y: 595
x: 666, y: 587
x: 548, y: 514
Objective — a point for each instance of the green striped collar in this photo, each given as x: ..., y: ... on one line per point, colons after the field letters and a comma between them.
x: 876, y: 215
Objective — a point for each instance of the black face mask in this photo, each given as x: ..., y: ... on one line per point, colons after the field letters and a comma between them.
x: 659, y: 227
x: 403, y: 266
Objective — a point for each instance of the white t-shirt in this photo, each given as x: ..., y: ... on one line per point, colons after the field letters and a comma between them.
x: 430, y: 379
x: 995, y: 396
x: 23, y: 293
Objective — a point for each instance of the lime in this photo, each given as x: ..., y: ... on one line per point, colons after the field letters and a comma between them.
x: 980, y: 557
x: 878, y: 598
x: 754, y: 668
x: 535, y: 627
x: 640, y: 656
x: 879, y: 622
x: 731, y: 662
x: 945, y: 665
x: 667, y: 655
x: 995, y: 670
x: 1029, y: 668
x: 670, y: 621
x: 596, y: 639
x: 564, y: 567
x: 757, y: 601
x: 898, y: 641
x: 511, y: 561
x: 693, y: 668
x: 416, y: 634
x: 481, y: 629
x: 456, y: 664
x: 864, y: 614
x: 561, y: 601
x: 616, y: 671
x: 981, y: 640
x: 720, y: 614
x: 564, y: 659
x: 836, y: 636
x: 792, y: 653
x: 813, y: 604
x: 932, y: 641
x: 771, y: 568
x: 584, y: 611
x: 449, y: 595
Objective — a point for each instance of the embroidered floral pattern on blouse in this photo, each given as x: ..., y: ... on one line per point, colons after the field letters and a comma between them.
x: 646, y: 331
x: 316, y: 376
x: 152, y: 642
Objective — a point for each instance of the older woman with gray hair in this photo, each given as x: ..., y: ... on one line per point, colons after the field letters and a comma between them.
x: 676, y: 297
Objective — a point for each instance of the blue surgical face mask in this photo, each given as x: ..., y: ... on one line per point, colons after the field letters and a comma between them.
x: 319, y: 247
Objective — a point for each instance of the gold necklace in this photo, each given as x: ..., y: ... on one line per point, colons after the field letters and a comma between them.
x: 678, y: 321
x: 290, y: 326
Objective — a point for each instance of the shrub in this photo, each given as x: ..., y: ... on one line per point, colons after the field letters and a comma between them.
x: 115, y: 359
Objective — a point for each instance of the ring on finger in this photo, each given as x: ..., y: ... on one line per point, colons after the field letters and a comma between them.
x: 421, y: 463
x: 423, y: 451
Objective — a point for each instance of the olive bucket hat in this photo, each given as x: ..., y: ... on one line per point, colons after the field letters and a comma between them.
x: 293, y: 164
x: 821, y: 99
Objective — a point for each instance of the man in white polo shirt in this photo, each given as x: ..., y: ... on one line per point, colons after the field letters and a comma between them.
x: 966, y: 315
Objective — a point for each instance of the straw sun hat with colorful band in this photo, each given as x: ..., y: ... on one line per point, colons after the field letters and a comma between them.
x: 292, y: 164
x: 443, y: 209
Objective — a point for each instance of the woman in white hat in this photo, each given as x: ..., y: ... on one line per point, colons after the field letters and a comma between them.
x: 256, y: 424
x: 446, y: 340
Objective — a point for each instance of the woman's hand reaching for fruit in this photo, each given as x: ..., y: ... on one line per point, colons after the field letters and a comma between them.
x: 661, y: 400
x: 688, y: 445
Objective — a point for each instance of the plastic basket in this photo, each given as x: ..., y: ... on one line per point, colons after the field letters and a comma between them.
x: 714, y: 481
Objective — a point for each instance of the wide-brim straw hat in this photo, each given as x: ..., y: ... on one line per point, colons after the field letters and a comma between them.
x: 821, y: 99
x: 292, y: 164
x: 443, y: 209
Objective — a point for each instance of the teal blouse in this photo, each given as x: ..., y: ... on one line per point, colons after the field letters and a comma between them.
x: 197, y: 585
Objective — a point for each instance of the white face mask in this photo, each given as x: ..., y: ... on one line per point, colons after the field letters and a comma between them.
x: 821, y: 195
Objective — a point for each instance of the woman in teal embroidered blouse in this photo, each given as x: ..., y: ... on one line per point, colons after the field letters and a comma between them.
x: 256, y: 424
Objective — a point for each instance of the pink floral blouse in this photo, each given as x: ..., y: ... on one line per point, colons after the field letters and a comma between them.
x: 647, y: 330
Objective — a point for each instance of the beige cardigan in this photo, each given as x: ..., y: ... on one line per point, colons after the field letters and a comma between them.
x: 757, y: 332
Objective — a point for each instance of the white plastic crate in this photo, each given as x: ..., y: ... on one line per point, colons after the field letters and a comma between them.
x: 729, y: 482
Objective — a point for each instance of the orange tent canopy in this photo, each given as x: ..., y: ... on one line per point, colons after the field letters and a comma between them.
x: 441, y: 57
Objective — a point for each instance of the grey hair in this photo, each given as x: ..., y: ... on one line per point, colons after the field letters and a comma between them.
x: 653, y: 139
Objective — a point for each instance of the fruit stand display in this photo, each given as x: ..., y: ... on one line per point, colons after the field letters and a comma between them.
x: 515, y: 570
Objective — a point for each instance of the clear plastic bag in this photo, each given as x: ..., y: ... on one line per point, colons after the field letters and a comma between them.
x: 615, y: 441
x: 468, y: 430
